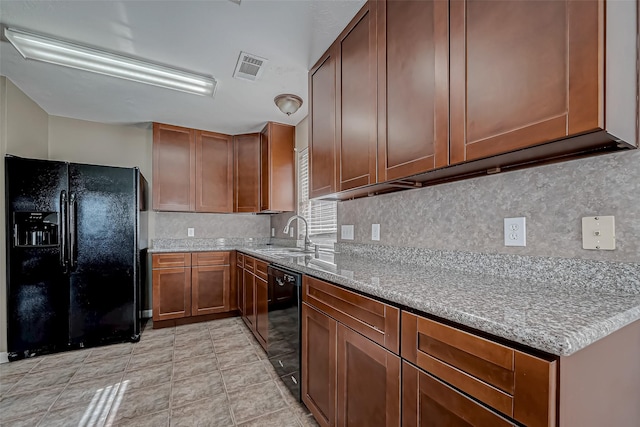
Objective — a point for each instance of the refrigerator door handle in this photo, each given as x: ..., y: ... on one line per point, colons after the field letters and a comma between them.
x: 63, y: 230
x: 73, y: 251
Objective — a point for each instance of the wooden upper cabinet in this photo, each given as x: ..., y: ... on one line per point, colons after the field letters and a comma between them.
x: 214, y: 172
x: 356, y: 110
x: 174, y: 168
x: 523, y: 73
x: 247, y: 173
x: 277, y: 143
x: 322, y: 126
x: 413, y: 87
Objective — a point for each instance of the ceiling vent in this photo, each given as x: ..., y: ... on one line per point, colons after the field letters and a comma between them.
x: 249, y: 67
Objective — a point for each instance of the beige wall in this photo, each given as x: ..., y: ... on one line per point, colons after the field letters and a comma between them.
x: 23, y: 132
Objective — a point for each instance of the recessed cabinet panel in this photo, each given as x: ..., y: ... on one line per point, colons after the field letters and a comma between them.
x: 171, y: 293
x: 214, y: 172
x: 322, y: 126
x: 522, y: 73
x: 357, y: 87
x: 277, y: 142
x: 247, y: 173
x: 174, y: 166
x: 210, y: 288
x: 413, y: 87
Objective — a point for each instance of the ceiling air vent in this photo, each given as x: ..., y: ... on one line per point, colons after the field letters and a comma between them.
x: 249, y: 67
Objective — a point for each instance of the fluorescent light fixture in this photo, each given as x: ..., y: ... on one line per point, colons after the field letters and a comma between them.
x: 46, y: 49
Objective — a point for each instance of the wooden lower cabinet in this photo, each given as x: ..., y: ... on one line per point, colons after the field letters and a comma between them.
x: 190, y: 285
x: 240, y: 288
x: 428, y: 402
x: 347, y: 379
x: 210, y: 290
x: 248, y: 314
x: 171, y: 293
x: 262, y: 311
x: 254, y: 298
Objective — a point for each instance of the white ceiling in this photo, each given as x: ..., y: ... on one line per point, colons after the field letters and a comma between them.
x: 201, y: 36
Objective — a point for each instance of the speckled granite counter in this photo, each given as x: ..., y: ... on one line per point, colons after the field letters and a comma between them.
x: 554, y: 316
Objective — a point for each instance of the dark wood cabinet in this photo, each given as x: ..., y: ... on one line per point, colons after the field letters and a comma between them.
x: 240, y: 282
x: 190, y: 285
x: 255, y: 296
x: 214, y: 172
x: 174, y: 168
x: 248, y: 313
x: 356, y: 109
x: 523, y: 73
x: 322, y: 126
x: 262, y: 311
x: 368, y: 382
x: 171, y: 283
x: 347, y: 379
x: 428, y: 402
x: 277, y: 181
x: 413, y: 87
x: 319, y: 361
x: 246, y: 188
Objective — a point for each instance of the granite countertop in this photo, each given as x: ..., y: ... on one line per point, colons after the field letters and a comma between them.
x: 550, y: 316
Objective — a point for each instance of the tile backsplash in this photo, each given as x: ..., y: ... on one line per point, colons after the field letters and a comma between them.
x: 468, y: 215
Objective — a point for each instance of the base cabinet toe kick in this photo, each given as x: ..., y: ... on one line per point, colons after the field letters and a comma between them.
x: 367, y: 362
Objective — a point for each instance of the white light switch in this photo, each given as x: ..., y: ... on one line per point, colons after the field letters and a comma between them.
x: 191, y: 232
x: 346, y: 232
x: 291, y: 231
x: 599, y: 233
x: 273, y: 232
x: 515, y: 231
x: 375, y: 232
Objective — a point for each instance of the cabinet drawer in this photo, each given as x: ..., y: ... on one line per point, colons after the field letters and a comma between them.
x: 515, y: 383
x: 210, y: 258
x: 171, y: 260
x: 249, y: 264
x: 239, y: 260
x: 375, y: 320
x: 261, y: 269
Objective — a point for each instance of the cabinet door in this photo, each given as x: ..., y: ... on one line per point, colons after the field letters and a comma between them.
x: 428, y: 402
x: 214, y: 172
x: 356, y: 112
x: 240, y: 289
x: 262, y: 311
x: 174, y: 168
x: 249, y: 299
x: 368, y: 382
x: 277, y: 180
x: 319, y: 368
x: 171, y: 293
x: 523, y: 73
x: 210, y: 290
x: 247, y: 173
x: 413, y: 87
x: 322, y: 126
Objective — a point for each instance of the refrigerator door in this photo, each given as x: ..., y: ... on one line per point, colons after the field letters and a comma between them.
x: 37, y: 286
x: 103, y: 254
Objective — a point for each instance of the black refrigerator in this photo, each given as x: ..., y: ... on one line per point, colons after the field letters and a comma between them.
x: 74, y: 246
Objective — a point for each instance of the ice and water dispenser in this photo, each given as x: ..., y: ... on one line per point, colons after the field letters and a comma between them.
x: 35, y: 228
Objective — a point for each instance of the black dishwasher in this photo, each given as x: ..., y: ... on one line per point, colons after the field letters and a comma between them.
x: 285, y: 307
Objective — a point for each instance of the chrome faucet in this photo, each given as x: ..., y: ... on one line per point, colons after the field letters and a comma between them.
x: 307, y: 241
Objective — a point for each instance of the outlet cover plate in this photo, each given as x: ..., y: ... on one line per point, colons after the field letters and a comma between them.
x: 599, y: 233
x: 515, y: 231
x: 191, y: 232
x: 346, y: 232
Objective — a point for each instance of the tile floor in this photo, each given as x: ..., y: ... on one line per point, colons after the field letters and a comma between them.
x: 204, y: 374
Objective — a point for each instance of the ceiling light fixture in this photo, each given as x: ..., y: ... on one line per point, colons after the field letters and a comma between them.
x: 288, y: 103
x: 46, y: 49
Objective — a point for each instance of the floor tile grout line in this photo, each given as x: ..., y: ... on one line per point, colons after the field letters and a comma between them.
x: 224, y: 385
x: 124, y: 372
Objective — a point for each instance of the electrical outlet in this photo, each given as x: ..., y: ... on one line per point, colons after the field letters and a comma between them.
x: 515, y: 231
x: 375, y: 232
x: 273, y: 232
x: 346, y: 232
x: 191, y: 232
x: 291, y: 230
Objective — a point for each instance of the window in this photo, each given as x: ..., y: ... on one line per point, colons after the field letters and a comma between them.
x: 322, y: 216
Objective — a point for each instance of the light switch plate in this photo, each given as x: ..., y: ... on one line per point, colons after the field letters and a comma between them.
x: 346, y: 232
x: 191, y: 232
x: 515, y: 231
x: 273, y: 232
x: 291, y: 231
x: 599, y: 233
x: 375, y: 232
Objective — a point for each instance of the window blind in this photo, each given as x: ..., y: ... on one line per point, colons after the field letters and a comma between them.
x: 321, y: 215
